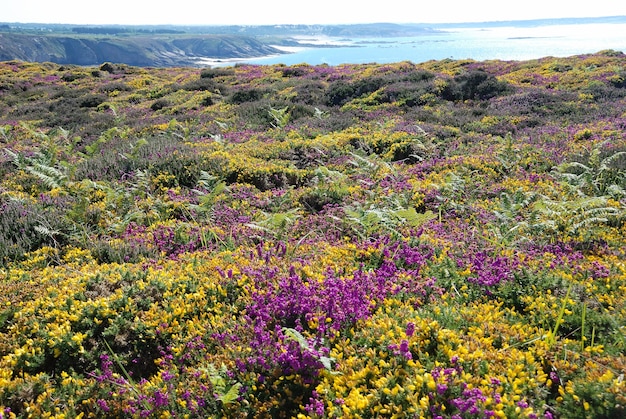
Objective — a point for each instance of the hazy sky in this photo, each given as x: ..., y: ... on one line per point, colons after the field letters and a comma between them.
x: 250, y: 12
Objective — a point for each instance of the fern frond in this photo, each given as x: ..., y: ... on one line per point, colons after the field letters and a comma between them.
x: 46, y: 231
x: 565, y: 167
x: 608, y: 161
x: 363, y: 162
x: 616, y: 192
x: 587, y: 222
x: 48, y: 175
x: 16, y: 158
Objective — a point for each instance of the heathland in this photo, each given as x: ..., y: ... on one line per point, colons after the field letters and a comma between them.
x: 443, y: 239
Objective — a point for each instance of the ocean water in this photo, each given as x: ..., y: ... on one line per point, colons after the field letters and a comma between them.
x: 503, y: 43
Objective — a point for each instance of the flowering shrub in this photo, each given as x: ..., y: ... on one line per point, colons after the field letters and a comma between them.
x: 437, y: 240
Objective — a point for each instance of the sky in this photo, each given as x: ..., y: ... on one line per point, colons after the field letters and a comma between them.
x: 270, y: 12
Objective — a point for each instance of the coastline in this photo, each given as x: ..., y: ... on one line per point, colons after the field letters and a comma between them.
x: 222, y: 62
x: 305, y: 42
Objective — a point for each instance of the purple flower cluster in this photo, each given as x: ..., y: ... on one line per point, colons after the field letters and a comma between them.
x: 455, y: 399
x: 320, y: 307
x: 107, y: 377
x: 315, y: 405
x: 401, y: 350
x: 488, y: 270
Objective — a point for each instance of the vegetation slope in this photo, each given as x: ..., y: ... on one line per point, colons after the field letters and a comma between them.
x: 443, y: 239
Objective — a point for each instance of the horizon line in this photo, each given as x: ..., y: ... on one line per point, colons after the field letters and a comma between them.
x: 312, y: 24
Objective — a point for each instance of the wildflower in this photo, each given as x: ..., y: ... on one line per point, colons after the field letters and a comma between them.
x: 160, y: 399
x: 102, y: 404
x: 315, y: 405
x: 167, y: 375
x: 410, y: 329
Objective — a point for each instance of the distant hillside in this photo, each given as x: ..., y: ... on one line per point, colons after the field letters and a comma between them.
x: 139, y: 50
x: 174, y: 45
x: 167, y: 46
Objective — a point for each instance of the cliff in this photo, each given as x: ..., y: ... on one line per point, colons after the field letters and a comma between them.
x: 146, y: 51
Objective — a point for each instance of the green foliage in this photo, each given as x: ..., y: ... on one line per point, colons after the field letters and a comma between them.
x: 280, y: 117
x: 40, y: 166
x: 372, y: 221
x: 242, y: 96
x: 475, y: 84
x: 160, y: 104
x: 573, y: 217
x: 450, y: 194
x: 552, y: 334
x: 276, y: 224
x: 209, y: 189
x: 592, y: 400
x: 211, y: 73
x: 599, y: 175
x: 225, y: 394
x: 514, y: 215
x: 329, y: 187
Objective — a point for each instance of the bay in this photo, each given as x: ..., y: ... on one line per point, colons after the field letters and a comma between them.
x: 478, y: 43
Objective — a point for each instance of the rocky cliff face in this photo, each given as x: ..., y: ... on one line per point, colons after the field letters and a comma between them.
x: 157, y: 51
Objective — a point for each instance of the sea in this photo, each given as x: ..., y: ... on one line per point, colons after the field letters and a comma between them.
x: 492, y: 42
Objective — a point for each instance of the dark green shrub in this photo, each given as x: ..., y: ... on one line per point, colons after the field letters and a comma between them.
x: 91, y: 101
x: 70, y: 77
x: 256, y: 115
x: 298, y: 111
x: 201, y: 85
x: 265, y: 180
x: 310, y: 93
x: 476, y: 85
x: 561, y: 67
x: 339, y: 93
x: 108, y: 67
x: 409, y: 94
x: 207, y: 101
x: 247, y: 95
x: 368, y: 85
x: 159, y: 104
x: 606, y: 92
x: 618, y: 80
x: 115, y: 86
x: 293, y: 71
x: 419, y: 76
x: 471, y: 84
x: 211, y: 73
